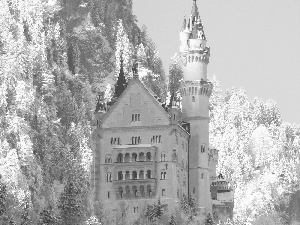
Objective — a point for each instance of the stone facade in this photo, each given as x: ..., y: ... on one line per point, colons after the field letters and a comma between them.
x: 141, y: 152
x: 145, y: 151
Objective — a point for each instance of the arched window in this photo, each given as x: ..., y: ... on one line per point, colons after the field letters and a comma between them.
x: 142, y: 191
x: 134, y: 157
x: 108, y: 177
x: 141, y: 175
x: 134, y: 175
x: 203, y: 148
x: 121, y: 192
x: 149, y: 174
x: 108, y: 159
x: 127, y: 157
x: 120, y: 175
x: 127, y: 190
x: 148, y: 156
x: 163, y: 175
x: 120, y: 158
x: 141, y: 157
x: 163, y: 157
x: 193, y: 99
x: 149, y: 192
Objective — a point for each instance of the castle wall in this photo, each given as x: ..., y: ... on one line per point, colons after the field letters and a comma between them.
x: 115, y: 145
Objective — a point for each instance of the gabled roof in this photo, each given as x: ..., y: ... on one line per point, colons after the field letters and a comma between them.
x: 148, y: 92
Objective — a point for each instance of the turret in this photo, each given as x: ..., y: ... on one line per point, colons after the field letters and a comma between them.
x: 195, y: 92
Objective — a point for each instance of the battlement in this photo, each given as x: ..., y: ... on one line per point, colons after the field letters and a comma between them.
x: 194, y: 88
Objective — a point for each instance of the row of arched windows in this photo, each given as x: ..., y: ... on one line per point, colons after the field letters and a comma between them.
x: 115, y: 141
x: 134, y: 157
x: 156, y: 139
x: 136, y: 117
x: 136, y: 140
x: 136, y: 191
x: 195, y: 58
x: 134, y: 175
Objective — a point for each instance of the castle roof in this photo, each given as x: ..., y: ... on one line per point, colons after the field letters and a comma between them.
x: 194, y: 25
x: 151, y: 95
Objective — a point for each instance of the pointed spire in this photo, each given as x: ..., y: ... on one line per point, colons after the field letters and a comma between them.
x: 195, y: 12
x: 101, y: 106
x: 135, y: 70
x: 184, y: 24
x: 121, y: 82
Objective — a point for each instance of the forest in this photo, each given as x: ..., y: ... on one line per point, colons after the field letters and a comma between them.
x: 56, y: 58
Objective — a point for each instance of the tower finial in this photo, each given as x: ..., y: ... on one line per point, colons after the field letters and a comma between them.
x: 195, y: 12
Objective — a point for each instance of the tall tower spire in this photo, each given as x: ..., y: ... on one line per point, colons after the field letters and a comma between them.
x: 195, y: 92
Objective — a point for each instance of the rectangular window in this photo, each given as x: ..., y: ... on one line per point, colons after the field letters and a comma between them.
x: 135, y: 117
x: 136, y: 140
x: 108, y: 194
x: 163, y: 175
x: 156, y: 139
x: 115, y: 141
x: 163, y: 192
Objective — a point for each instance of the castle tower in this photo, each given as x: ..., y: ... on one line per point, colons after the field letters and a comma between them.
x: 195, y: 92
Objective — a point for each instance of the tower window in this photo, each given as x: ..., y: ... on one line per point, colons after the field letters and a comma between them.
x: 108, y: 177
x: 163, y: 175
x: 135, y: 209
x: 193, y: 98
x: 202, y: 148
x: 163, y: 157
x: 163, y: 192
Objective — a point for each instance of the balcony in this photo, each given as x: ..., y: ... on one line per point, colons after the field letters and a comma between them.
x: 135, y: 153
x: 136, y: 188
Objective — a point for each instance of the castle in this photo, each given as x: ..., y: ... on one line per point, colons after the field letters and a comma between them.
x: 144, y: 150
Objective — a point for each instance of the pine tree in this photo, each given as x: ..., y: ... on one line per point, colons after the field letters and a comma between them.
x: 175, y: 74
x: 172, y: 220
x: 209, y: 220
x: 155, y: 212
x: 189, y: 207
x: 71, y: 205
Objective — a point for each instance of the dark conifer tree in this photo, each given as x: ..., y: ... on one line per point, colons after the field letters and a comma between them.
x: 121, y: 82
x: 209, y: 220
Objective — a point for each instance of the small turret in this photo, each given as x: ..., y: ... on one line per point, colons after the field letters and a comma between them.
x: 100, y: 111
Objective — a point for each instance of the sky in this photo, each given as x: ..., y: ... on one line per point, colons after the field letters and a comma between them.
x: 255, y: 45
